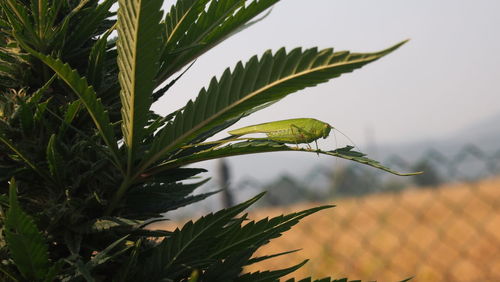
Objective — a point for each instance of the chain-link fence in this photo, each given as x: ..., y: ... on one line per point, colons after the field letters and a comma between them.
x: 441, y: 227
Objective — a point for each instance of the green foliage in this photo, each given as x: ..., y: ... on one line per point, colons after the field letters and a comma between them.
x: 24, y: 241
x: 85, y: 192
x: 138, y: 29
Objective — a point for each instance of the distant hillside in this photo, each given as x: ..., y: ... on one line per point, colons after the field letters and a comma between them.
x: 484, y: 135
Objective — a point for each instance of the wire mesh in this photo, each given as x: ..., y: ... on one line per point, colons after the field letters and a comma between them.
x: 449, y: 231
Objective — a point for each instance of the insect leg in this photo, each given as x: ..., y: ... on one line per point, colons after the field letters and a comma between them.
x: 291, y: 129
x: 306, y: 133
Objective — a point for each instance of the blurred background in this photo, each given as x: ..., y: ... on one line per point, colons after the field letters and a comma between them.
x: 433, y: 105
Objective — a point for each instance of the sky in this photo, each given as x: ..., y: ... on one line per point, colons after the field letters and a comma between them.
x: 444, y: 79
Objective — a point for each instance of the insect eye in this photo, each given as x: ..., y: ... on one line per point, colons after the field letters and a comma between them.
x: 326, y: 132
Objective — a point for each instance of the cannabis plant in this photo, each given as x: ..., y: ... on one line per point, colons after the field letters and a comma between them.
x: 86, y: 165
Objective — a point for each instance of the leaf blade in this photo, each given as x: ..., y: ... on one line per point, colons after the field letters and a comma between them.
x: 88, y: 97
x: 138, y: 51
x: 218, y: 21
x: 25, y: 242
x: 264, y: 146
x: 243, y: 90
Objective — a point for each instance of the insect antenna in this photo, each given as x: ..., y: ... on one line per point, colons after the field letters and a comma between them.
x: 347, y: 137
x: 335, y: 160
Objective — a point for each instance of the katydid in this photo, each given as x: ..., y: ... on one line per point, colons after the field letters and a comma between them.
x: 292, y: 131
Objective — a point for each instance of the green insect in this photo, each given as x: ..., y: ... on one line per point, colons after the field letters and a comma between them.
x: 292, y: 131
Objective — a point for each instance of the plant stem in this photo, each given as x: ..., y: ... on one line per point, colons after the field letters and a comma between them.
x: 118, y: 196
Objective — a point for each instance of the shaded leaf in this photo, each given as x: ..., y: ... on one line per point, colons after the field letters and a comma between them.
x: 138, y: 52
x: 107, y: 223
x: 263, y: 146
x: 259, y: 233
x: 265, y: 276
x: 262, y: 258
x: 24, y: 157
x: 259, y: 82
x: 228, y: 269
x: 54, y: 159
x: 105, y: 255
x: 93, y: 17
x: 214, y: 23
x: 26, y: 244
x: 184, y: 244
x: 88, y: 97
x: 97, y: 59
x: 156, y: 198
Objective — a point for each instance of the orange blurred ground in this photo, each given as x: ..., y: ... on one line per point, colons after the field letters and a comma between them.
x: 446, y: 234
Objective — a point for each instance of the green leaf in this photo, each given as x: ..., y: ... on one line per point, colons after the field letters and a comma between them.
x: 20, y: 20
x: 105, y: 255
x: 84, y: 271
x: 259, y: 82
x: 215, y: 23
x: 262, y: 258
x: 181, y: 16
x: 9, y: 273
x: 24, y: 157
x: 93, y: 17
x: 183, y: 245
x: 138, y: 52
x: 236, y: 244
x: 102, y: 256
x: 153, y: 199
x: 259, y: 233
x: 264, y: 146
x: 265, y: 276
x: 39, y: 9
x: 97, y: 58
x: 26, y: 244
x: 88, y: 97
x: 228, y: 269
x: 37, y: 96
x: 106, y: 223
x: 4, y: 200
x: 69, y: 115
x: 26, y: 117
x: 177, y: 174
x: 40, y: 111
x: 54, y: 270
x: 54, y: 159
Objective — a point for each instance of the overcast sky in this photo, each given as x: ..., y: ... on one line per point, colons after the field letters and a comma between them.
x: 446, y: 78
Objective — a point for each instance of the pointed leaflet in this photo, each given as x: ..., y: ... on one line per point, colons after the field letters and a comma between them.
x: 88, y: 97
x: 266, y: 257
x: 54, y: 159
x: 274, y: 275
x: 39, y: 9
x: 20, y: 20
x: 160, y: 197
x: 263, y: 146
x: 26, y: 244
x: 23, y: 156
x: 138, y: 51
x: 93, y: 17
x: 260, y: 81
x: 183, y: 245
x: 221, y: 19
x: 97, y: 60
x: 258, y: 233
x: 180, y: 17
